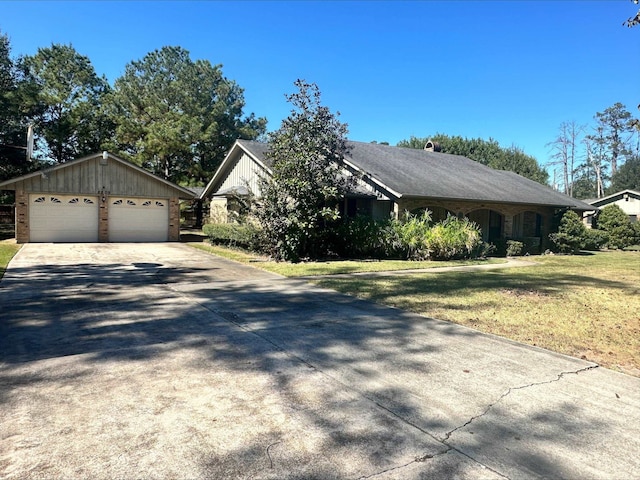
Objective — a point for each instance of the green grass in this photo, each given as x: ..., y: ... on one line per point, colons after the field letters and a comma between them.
x: 7, y: 251
x: 304, y: 269
x: 587, y: 306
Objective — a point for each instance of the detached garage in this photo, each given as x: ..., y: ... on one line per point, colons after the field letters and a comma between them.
x: 99, y: 198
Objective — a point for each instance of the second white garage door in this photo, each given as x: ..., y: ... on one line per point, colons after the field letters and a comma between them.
x: 138, y: 220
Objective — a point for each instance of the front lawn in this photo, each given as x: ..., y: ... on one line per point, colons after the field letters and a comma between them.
x: 587, y: 306
x: 7, y: 251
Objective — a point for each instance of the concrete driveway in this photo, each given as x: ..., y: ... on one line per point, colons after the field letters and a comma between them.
x: 160, y: 361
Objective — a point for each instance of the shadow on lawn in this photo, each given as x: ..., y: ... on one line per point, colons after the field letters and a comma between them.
x: 141, y: 311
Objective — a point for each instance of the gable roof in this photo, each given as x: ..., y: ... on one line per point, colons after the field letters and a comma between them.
x: 255, y: 150
x: 598, y: 202
x: 181, y: 192
x: 408, y: 172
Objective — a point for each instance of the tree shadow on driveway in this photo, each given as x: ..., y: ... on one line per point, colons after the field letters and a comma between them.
x: 145, y: 370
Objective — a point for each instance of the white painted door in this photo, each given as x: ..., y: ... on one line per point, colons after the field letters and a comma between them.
x: 63, y: 218
x: 138, y: 219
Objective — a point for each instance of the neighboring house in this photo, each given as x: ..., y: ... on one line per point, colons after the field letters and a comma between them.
x: 393, y: 180
x: 627, y: 200
x: 98, y: 198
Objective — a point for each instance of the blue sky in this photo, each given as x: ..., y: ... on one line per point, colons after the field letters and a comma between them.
x: 511, y: 70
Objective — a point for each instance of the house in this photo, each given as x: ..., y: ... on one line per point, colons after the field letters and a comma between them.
x: 392, y: 180
x: 98, y: 198
x: 627, y: 200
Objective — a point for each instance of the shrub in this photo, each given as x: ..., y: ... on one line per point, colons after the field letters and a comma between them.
x: 571, y: 233
x: 594, y: 239
x: 245, y: 236
x: 453, y: 238
x: 618, y: 227
x: 411, y: 235
x: 514, y: 248
x: 363, y: 237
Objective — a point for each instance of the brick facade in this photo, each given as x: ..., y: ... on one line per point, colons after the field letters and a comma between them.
x: 22, y: 216
x: 174, y: 219
x: 103, y: 219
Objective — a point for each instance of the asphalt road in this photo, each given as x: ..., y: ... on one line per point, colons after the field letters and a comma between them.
x: 160, y: 361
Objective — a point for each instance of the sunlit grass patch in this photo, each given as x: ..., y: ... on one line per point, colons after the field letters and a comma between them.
x: 7, y: 251
x: 584, y: 306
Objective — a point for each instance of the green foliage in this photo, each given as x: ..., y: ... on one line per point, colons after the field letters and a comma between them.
x: 618, y: 227
x: 488, y: 152
x: 412, y: 235
x: 570, y: 235
x: 363, y: 237
x: 178, y: 117
x: 514, y: 248
x: 299, y: 201
x: 69, y: 94
x: 14, y: 113
x: 627, y: 177
x: 453, y: 238
x: 615, y: 123
x: 419, y: 239
x: 237, y: 235
x: 594, y: 239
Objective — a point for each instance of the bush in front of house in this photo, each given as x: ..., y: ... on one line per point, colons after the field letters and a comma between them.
x: 514, y: 248
x: 594, y: 239
x: 453, y: 238
x: 570, y: 235
x: 411, y: 235
x: 618, y: 227
x: 418, y: 239
x: 363, y: 237
x: 239, y: 235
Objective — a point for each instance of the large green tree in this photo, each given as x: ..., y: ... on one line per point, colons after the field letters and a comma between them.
x: 15, y: 108
x: 615, y: 125
x: 627, y: 176
x: 178, y: 117
x: 299, y: 201
x: 71, y: 122
x: 488, y: 152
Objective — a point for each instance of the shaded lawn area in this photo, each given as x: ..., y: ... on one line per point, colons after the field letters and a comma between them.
x: 585, y: 306
x: 7, y: 251
x: 333, y: 267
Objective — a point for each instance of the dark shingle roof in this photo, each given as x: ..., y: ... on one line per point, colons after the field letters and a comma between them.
x: 258, y: 149
x: 419, y: 173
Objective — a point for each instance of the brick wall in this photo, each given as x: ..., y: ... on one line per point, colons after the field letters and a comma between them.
x: 22, y: 216
x: 174, y: 219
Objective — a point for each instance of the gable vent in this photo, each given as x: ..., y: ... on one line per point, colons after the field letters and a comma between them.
x: 431, y: 146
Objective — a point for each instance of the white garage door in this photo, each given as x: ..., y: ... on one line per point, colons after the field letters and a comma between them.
x: 63, y: 218
x: 138, y: 220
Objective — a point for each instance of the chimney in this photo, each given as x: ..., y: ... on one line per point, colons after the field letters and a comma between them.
x: 432, y: 146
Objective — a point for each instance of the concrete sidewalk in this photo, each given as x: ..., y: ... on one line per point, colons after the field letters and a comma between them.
x: 159, y: 361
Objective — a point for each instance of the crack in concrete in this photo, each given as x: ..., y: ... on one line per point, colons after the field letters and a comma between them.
x: 559, y: 377
x: 235, y: 319
x: 420, y: 459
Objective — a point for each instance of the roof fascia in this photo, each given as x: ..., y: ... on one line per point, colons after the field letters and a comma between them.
x: 613, y: 195
x: 483, y: 201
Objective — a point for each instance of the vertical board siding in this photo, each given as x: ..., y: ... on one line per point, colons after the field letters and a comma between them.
x: 90, y: 177
x: 244, y: 172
